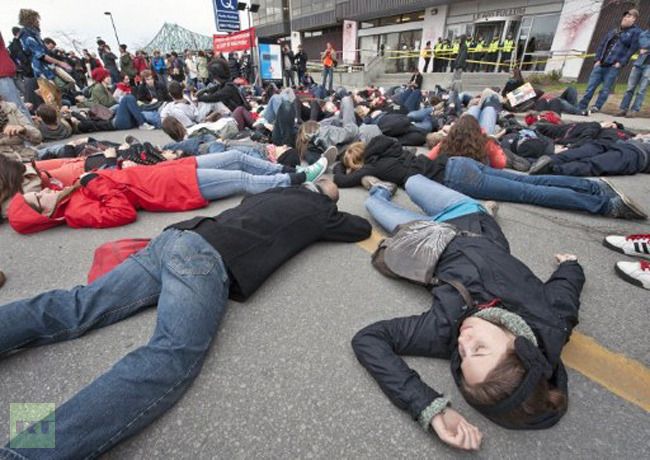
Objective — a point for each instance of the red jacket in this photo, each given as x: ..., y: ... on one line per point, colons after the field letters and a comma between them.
x: 7, y: 66
x: 498, y: 159
x: 113, y: 198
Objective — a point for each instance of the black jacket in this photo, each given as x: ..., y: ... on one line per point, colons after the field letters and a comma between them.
x: 386, y: 159
x: 417, y: 79
x: 488, y: 270
x: 21, y: 58
x: 146, y: 94
x: 301, y: 60
x: 227, y: 93
x: 269, y: 228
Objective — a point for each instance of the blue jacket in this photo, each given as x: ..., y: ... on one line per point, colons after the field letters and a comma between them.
x: 622, y: 50
x: 35, y: 48
x: 644, y: 43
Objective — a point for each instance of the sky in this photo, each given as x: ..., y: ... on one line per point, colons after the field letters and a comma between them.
x: 137, y: 21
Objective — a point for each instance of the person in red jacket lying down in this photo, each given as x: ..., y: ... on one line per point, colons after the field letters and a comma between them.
x: 110, y: 198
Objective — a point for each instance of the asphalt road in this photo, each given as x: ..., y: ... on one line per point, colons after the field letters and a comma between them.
x: 281, y: 380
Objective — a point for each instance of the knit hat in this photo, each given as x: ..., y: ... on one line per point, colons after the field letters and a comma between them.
x: 99, y: 74
x: 633, y: 12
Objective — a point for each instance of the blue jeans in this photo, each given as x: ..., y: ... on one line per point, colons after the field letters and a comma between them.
x: 561, y: 192
x: 10, y: 93
x: 486, y: 115
x: 190, y: 145
x: 180, y: 273
x: 219, y: 147
x: 606, y: 76
x: 410, y: 99
x: 638, y: 77
x: 232, y: 172
x: 128, y: 114
x: 152, y: 117
x: 422, y: 118
x: 328, y: 72
x: 437, y: 201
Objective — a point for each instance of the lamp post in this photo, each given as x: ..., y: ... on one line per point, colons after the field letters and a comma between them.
x: 250, y: 8
x: 108, y: 13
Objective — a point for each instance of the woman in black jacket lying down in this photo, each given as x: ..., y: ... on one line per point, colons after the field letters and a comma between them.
x: 503, y: 335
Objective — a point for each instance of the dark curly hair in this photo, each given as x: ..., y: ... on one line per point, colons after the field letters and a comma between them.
x: 465, y: 139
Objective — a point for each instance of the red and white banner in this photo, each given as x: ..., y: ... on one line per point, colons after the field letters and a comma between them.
x: 237, y: 41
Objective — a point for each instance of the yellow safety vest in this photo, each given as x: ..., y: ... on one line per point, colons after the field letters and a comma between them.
x: 456, y: 48
x: 438, y: 49
x: 494, y: 47
x: 480, y: 46
x: 508, y: 46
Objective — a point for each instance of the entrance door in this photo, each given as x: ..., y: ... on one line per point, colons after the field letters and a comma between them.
x: 489, y: 30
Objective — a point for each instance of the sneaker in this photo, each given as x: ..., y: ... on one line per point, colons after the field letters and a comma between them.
x: 316, y: 170
x: 132, y: 140
x: 146, y: 127
x: 621, y: 113
x: 637, y: 273
x: 631, y: 245
x: 623, y: 207
x: 595, y: 109
x: 516, y: 162
x: 541, y: 166
x: 615, y: 194
x: 585, y: 113
x: 371, y: 181
x: 331, y: 153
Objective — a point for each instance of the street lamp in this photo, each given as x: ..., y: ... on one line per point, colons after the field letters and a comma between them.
x: 108, y: 13
x: 251, y: 8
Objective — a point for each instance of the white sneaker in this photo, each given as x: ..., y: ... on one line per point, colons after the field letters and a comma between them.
x: 637, y: 273
x: 631, y: 245
x: 146, y: 127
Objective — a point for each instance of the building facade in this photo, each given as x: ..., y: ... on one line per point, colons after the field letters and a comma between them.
x: 549, y: 34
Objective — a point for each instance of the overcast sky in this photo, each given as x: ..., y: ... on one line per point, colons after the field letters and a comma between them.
x: 137, y: 21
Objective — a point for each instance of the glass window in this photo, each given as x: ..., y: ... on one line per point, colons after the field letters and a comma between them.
x: 389, y: 21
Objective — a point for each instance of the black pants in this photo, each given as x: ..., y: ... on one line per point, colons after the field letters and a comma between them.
x: 284, y: 128
x: 426, y: 64
x: 505, y: 59
x: 600, y: 159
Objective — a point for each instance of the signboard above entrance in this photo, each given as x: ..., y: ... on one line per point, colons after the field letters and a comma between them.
x: 501, y: 14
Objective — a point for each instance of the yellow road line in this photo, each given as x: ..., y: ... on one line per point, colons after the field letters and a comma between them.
x: 623, y: 376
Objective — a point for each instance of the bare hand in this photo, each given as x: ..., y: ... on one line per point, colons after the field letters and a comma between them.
x: 65, y: 65
x: 559, y: 258
x: 128, y: 164
x: 597, y: 63
x: 453, y: 429
x: 617, y: 65
x: 13, y: 130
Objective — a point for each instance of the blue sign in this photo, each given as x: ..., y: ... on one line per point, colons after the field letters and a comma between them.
x: 226, y: 15
x: 270, y: 62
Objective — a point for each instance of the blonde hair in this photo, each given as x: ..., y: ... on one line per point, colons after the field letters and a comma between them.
x: 434, y: 139
x: 307, y: 129
x: 354, y: 156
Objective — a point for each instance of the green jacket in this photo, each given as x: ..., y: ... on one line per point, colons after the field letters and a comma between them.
x: 101, y: 95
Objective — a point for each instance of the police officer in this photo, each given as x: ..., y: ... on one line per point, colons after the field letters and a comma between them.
x: 454, y: 52
x: 492, y: 54
x: 506, y: 52
x: 437, y: 54
x: 446, y: 53
x: 479, y: 54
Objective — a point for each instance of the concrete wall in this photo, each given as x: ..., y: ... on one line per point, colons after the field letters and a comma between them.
x: 574, y: 32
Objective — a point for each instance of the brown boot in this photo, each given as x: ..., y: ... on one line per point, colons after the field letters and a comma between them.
x: 214, y: 116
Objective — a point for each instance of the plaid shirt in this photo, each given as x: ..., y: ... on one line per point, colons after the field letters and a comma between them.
x: 621, y: 49
x: 35, y: 48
